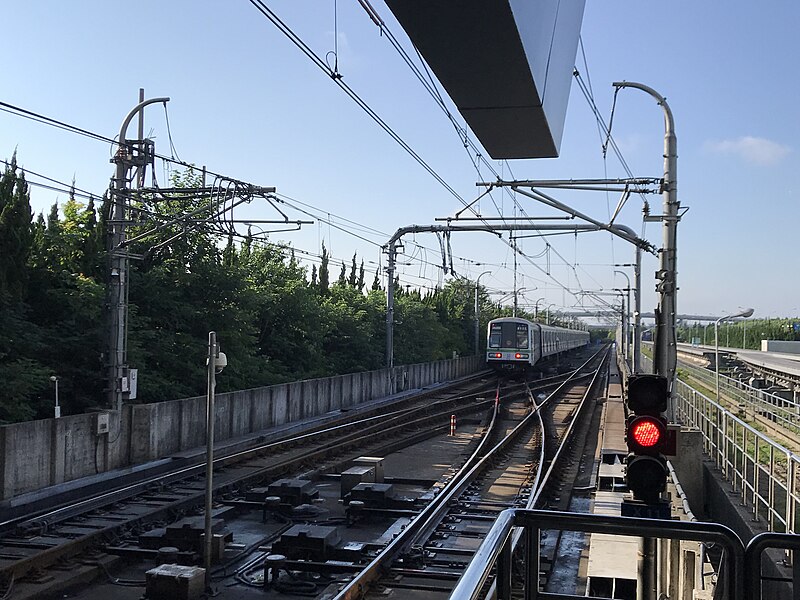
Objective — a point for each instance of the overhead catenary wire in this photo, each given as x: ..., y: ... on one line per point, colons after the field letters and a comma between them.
x: 173, y: 159
x: 297, y: 41
x: 92, y: 135
x: 65, y: 188
x: 321, y: 64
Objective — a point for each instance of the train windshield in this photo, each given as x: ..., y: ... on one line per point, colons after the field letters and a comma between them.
x: 508, y: 335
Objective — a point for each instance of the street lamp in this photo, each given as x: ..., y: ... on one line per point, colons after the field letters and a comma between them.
x: 536, y: 309
x: 548, y: 312
x: 744, y: 334
x: 516, y: 293
x: 477, y: 308
x: 626, y: 350
x: 54, y: 379
x: 215, y: 362
x: 745, y: 313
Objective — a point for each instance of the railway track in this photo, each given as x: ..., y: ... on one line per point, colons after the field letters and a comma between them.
x: 135, y: 525
x: 513, y: 466
x: 33, y: 544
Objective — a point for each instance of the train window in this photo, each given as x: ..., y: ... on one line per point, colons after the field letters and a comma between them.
x: 508, y: 335
x: 522, y: 335
x: 495, y: 335
x: 494, y: 340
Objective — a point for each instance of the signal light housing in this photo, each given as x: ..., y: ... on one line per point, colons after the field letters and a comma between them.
x: 647, y: 477
x: 647, y: 437
x: 647, y: 394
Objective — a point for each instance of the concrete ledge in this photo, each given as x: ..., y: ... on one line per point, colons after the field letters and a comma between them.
x: 39, y: 454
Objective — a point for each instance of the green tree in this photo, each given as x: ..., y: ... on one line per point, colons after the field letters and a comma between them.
x: 324, y: 275
x: 16, y: 231
x: 352, y: 279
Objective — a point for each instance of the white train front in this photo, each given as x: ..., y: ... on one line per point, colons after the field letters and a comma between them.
x: 518, y: 344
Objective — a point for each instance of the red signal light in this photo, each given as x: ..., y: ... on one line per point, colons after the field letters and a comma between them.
x: 518, y: 355
x: 646, y: 433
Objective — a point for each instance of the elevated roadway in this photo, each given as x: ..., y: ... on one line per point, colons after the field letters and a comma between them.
x: 783, y: 369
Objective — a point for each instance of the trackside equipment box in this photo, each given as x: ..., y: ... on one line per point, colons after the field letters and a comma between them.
x: 175, y: 582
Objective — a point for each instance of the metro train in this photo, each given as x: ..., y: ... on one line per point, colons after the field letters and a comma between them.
x: 515, y: 344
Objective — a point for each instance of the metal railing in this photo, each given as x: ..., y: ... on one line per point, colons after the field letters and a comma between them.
x: 496, y: 550
x: 763, y: 472
x: 740, y: 575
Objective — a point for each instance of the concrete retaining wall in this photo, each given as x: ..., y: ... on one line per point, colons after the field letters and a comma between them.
x: 38, y: 454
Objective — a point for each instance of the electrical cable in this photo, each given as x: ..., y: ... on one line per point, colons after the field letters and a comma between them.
x: 175, y: 160
x: 297, y: 41
x: 294, y: 38
x: 67, y: 188
x: 10, y: 108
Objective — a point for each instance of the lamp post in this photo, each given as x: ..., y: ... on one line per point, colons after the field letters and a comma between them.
x: 665, y: 350
x: 54, y: 379
x: 536, y: 309
x: 516, y: 293
x: 477, y: 309
x: 548, y: 312
x: 744, y: 335
x: 215, y: 362
x: 745, y: 313
x: 626, y: 323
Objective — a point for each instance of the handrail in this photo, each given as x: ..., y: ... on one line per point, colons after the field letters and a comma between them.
x: 496, y: 551
x: 752, y: 559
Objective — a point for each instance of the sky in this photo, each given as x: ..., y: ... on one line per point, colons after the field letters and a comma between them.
x: 248, y: 104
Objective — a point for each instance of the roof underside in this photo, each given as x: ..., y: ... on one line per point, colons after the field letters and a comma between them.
x: 506, y: 64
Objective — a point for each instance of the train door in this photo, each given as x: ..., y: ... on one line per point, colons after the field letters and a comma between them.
x: 536, y: 343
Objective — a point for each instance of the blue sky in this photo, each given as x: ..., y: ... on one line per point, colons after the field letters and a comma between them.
x: 247, y: 103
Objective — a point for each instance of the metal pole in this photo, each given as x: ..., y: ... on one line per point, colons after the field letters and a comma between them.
x: 57, y: 411
x: 140, y: 171
x: 536, y: 310
x: 477, y: 312
x: 637, y: 312
x: 716, y: 352
x: 516, y: 295
x: 514, y: 250
x: 390, y: 306
x: 665, y: 352
x: 626, y: 322
x: 744, y: 335
x: 211, y: 384
x: 622, y: 326
x: 118, y: 258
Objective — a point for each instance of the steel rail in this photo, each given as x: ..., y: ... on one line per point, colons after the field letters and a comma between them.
x: 376, y: 431
x: 541, y: 486
x: 432, y: 514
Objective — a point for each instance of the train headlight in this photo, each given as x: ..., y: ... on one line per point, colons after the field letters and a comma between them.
x: 518, y: 355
